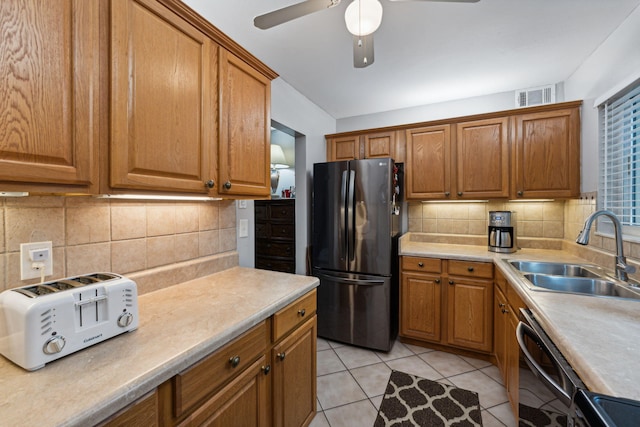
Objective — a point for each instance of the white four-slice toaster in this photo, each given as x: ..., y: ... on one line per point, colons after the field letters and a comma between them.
x: 44, y: 322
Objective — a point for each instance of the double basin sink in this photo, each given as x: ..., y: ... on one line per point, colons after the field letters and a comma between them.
x: 573, y: 278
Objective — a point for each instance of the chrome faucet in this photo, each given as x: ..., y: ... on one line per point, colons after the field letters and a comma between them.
x: 622, y: 268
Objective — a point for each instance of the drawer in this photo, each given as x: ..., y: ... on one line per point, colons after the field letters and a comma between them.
x: 270, y: 248
x: 471, y: 269
x: 261, y: 211
x: 262, y: 230
x: 411, y: 263
x: 283, y: 212
x: 293, y: 315
x: 283, y: 231
x: 143, y: 412
x: 206, y: 376
x: 514, y: 299
x: 274, y: 264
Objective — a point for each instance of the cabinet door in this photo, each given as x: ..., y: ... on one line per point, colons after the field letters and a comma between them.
x: 428, y: 162
x: 380, y: 144
x: 499, y: 330
x: 482, y: 158
x: 294, y: 377
x: 243, y: 402
x: 470, y: 314
x: 343, y: 148
x: 143, y: 412
x: 245, y: 120
x: 162, y: 124
x: 547, y: 154
x: 49, y: 63
x: 420, y: 306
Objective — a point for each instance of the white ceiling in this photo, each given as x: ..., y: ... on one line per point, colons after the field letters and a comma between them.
x: 425, y: 52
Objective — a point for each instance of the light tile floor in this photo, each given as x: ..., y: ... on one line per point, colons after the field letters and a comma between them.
x: 352, y: 381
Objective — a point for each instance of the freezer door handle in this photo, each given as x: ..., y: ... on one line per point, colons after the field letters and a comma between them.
x: 351, y: 225
x: 363, y: 282
x: 343, y: 229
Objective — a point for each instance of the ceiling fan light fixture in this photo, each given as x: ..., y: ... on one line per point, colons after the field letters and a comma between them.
x: 363, y: 17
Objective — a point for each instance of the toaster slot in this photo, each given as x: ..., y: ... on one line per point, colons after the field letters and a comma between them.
x: 91, y: 307
x: 36, y: 290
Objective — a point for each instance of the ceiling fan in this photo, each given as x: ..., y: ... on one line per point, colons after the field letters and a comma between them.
x: 363, y: 17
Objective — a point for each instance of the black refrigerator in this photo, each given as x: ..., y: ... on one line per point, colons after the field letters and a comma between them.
x: 355, y: 231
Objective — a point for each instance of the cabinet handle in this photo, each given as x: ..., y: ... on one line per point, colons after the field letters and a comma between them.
x: 421, y: 264
x: 451, y: 282
x: 459, y: 193
x: 234, y: 361
x: 501, y: 305
x: 437, y: 281
x: 446, y: 193
x: 227, y: 185
x: 520, y: 193
x: 209, y: 184
x: 470, y: 269
x: 504, y: 311
x: 282, y: 355
x: 266, y: 369
x: 302, y: 312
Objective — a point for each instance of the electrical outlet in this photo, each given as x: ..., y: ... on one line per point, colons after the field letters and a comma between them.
x: 30, y: 253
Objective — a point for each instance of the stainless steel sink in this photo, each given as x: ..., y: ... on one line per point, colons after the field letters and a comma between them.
x: 583, y: 285
x: 556, y: 268
x: 583, y: 279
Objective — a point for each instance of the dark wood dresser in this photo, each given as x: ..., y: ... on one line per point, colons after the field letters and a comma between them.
x: 276, y: 235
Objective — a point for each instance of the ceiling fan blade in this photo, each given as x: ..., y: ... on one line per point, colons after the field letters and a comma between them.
x: 292, y: 12
x: 362, y: 51
x: 445, y: 1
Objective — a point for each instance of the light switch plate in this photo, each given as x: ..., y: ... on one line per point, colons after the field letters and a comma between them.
x: 243, y: 228
x: 242, y: 204
x: 44, y: 250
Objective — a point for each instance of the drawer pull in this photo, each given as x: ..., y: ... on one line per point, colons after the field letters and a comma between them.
x: 421, y: 264
x: 470, y: 269
x: 234, y: 361
x: 266, y: 369
x: 504, y: 311
x: 437, y: 281
x: 302, y: 312
x: 451, y: 282
x: 282, y: 355
x: 501, y: 305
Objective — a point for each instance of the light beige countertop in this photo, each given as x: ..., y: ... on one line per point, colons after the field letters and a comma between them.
x: 599, y: 337
x: 178, y: 326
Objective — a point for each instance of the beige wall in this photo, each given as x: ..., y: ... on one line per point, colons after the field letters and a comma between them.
x: 155, y: 243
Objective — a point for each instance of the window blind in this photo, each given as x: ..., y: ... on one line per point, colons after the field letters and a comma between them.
x: 619, y: 180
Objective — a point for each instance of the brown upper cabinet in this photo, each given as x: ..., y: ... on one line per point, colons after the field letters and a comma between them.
x: 162, y: 121
x: 129, y: 96
x: 482, y: 159
x: 368, y: 146
x: 48, y: 104
x: 428, y: 167
x: 546, y: 154
x: 343, y: 148
x: 245, y: 123
x: 527, y: 153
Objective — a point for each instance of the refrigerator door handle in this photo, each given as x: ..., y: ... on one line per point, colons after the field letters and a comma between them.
x: 363, y: 282
x: 343, y: 230
x: 351, y: 225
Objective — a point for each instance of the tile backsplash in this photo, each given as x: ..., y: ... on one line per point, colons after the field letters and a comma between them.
x: 534, y: 219
x: 155, y: 243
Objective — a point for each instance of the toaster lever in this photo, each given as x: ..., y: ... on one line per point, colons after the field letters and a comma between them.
x: 90, y: 300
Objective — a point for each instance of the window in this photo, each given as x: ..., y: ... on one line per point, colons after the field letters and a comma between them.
x: 619, y: 181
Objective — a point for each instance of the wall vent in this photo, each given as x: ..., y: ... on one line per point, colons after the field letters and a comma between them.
x: 536, y: 96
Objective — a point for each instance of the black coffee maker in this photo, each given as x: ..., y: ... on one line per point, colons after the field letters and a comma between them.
x: 502, y: 231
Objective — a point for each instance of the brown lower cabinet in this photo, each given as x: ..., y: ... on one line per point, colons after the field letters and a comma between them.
x: 507, y: 351
x: 447, y: 302
x: 265, y: 377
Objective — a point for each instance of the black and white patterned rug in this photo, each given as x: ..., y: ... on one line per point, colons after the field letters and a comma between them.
x: 414, y: 401
x: 534, y: 417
